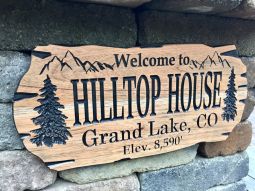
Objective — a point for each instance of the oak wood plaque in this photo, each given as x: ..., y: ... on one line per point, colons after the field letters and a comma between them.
x: 89, y: 105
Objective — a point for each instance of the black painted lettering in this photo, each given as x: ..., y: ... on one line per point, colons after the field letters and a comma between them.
x: 138, y: 96
x: 196, y: 92
x: 208, y: 90
x: 129, y: 81
x: 80, y: 101
x: 216, y: 88
x: 93, y: 140
x: 186, y: 75
x: 122, y: 59
x: 94, y: 99
x: 102, y: 106
x: 115, y: 100
x: 171, y: 93
x: 198, y: 120
x: 155, y: 93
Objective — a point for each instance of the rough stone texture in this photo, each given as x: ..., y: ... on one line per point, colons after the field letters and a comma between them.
x: 250, y: 64
x: 157, y: 28
x: 238, y: 186
x: 246, y: 10
x: 13, y: 66
x: 250, y: 183
x: 122, y: 3
x: 129, y: 183
x: 238, y: 140
x: 194, y: 6
x: 29, y: 23
x: 199, y: 175
x: 250, y: 74
x: 125, y: 168
x: 249, y: 104
x: 9, y: 138
x: 21, y: 170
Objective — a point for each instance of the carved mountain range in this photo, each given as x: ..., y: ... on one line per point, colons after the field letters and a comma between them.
x: 70, y: 61
x: 211, y: 60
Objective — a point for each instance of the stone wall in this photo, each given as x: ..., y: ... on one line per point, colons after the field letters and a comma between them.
x: 25, y: 24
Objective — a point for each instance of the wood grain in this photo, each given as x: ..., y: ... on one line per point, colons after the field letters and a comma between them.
x: 75, y: 153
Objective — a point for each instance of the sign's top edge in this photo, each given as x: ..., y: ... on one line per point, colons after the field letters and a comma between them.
x: 232, y: 46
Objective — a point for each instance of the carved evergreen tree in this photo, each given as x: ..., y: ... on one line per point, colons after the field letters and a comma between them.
x: 230, y: 100
x: 51, y: 119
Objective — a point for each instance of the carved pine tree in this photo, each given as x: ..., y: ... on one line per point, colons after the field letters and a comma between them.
x: 230, y: 100
x: 51, y: 119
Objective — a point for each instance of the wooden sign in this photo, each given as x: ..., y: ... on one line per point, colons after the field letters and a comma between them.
x: 89, y: 105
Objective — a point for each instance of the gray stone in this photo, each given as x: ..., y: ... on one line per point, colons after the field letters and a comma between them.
x: 13, y: 66
x: 199, y: 175
x: 124, y: 168
x: 29, y: 23
x: 245, y: 11
x: 238, y: 186
x: 250, y: 183
x: 157, y: 28
x: 249, y: 104
x: 122, y: 3
x: 194, y: 6
x: 21, y: 170
x: 251, y: 153
x: 129, y: 183
x: 9, y: 138
x: 250, y: 74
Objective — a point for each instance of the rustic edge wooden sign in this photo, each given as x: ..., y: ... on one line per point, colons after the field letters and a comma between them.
x: 89, y: 105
